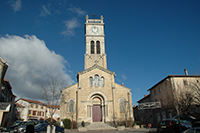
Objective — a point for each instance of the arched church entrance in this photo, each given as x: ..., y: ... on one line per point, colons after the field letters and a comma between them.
x: 97, y: 108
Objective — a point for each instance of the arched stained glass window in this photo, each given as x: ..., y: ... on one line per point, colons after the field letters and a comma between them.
x: 96, y: 80
x: 91, y: 81
x: 98, y: 47
x: 92, y: 47
x: 102, y: 81
x: 122, y: 105
x: 71, y: 105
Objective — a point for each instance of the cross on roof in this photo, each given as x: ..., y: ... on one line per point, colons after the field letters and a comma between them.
x: 94, y: 16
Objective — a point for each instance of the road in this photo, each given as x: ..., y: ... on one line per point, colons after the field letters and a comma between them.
x: 141, y: 130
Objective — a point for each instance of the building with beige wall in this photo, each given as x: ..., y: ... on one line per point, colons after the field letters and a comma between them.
x: 31, y: 109
x: 167, y: 91
x: 96, y: 97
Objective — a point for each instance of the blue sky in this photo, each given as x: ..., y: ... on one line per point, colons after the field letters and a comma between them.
x: 146, y: 40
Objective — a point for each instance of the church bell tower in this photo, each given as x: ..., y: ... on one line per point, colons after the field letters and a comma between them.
x: 95, y: 43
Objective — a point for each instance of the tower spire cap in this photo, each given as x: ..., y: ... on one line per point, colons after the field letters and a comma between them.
x: 101, y: 17
x: 87, y: 17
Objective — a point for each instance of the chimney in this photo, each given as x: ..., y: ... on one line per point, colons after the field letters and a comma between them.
x: 122, y: 84
x: 186, y: 72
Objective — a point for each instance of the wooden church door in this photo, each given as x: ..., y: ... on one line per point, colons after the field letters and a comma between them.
x: 96, y: 113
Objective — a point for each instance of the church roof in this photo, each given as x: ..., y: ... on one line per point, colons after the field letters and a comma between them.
x: 98, y: 67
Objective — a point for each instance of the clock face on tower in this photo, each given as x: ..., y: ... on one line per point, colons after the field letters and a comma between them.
x: 95, y: 29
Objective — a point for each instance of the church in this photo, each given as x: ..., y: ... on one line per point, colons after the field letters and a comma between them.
x: 96, y: 97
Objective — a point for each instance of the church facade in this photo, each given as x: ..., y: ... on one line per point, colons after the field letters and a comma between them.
x: 96, y: 97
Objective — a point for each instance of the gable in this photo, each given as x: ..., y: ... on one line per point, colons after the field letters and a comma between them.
x: 118, y: 86
x: 74, y: 86
x: 96, y: 67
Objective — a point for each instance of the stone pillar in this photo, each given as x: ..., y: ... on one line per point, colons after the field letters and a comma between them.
x: 103, y: 114
x: 53, y: 129
x: 48, y: 129
x: 131, y: 108
x: 113, y: 98
x: 79, y: 120
x: 91, y: 113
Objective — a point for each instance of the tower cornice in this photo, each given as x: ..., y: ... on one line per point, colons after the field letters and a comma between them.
x: 98, y: 67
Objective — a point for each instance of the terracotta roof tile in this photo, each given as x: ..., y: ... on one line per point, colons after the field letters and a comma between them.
x: 54, y: 106
x: 32, y: 101
x: 19, y: 105
x: 38, y: 102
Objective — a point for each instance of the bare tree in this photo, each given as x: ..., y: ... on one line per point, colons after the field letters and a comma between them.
x: 178, y: 98
x: 182, y: 101
x: 195, y: 87
x: 51, y: 94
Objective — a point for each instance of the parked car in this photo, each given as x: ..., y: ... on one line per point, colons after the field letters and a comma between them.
x: 171, y: 126
x: 186, y: 119
x: 196, y: 124
x: 42, y: 121
x: 43, y: 127
x: 22, y: 129
x: 59, y: 129
x: 12, y: 127
x: 192, y: 130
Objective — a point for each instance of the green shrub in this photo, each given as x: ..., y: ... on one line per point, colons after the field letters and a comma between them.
x: 83, y: 124
x: 57, y: 123
x: 67, y: 123
x: 49, y: 120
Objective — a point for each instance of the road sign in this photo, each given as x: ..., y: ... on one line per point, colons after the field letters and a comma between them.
x: 149, y: 125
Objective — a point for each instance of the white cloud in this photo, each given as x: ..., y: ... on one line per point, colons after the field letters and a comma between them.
x: 78, y: 11
x: 124, y: 77
x: 138, y: 89
x: 30, y: 64
x: 15, y: 4
x: 70, y: 26
x: 45, y: 11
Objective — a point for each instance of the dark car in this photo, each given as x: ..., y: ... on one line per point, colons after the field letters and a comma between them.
x: 43, y: 127
x: 171, y: 126
x: 196, y: 124
x: 42, y: 121
x: 192, y: 130
x: 186, y: 119
x: 12, y: 127
x: 22, y: 129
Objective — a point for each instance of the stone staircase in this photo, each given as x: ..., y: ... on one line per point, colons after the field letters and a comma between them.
x: 100, y: 126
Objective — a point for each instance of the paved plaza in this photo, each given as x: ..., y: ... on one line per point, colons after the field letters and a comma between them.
x: 140, y: 130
